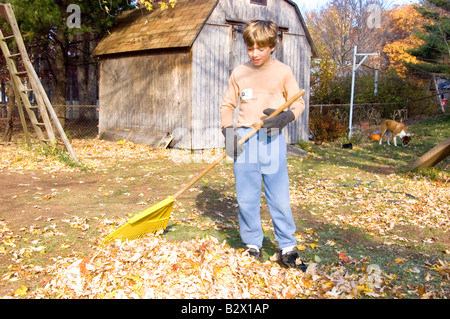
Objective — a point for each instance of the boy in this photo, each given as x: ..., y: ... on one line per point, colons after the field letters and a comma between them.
x: 259, y: 87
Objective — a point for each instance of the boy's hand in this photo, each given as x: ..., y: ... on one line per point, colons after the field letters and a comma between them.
x: 232, y: 148
x: 279, y: 121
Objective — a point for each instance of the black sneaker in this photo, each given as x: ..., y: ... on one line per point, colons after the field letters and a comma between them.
x: 292, y: 260
x: 256, y: 254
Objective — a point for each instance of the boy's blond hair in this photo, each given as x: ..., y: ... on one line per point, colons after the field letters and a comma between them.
x: 263, y: 33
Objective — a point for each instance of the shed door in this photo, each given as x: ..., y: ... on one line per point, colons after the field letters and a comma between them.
x: 238, y: 49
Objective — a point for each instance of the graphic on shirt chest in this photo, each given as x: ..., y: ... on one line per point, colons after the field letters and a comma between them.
x: 247, y: 94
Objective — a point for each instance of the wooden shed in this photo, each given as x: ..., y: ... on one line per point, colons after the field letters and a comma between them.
x: 167, y: 71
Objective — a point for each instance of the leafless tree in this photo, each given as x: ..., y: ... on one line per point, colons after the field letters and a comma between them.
x: 342, y: 24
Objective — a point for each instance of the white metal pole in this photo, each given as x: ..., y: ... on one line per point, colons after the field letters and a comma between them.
x: 375, y: 90
x: 352, y: 93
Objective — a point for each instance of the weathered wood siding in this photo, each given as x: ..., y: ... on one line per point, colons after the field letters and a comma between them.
x: 147, y: 92
x: 210, y: 72
x: 281, y: 12
x: 297, y: 54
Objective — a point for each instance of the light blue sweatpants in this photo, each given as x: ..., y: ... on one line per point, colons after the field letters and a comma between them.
x: 264, y: 159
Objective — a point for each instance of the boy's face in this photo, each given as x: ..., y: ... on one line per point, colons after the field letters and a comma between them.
x: 259, y: 55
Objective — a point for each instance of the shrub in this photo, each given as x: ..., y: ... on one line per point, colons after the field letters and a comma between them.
x: 325, y: 128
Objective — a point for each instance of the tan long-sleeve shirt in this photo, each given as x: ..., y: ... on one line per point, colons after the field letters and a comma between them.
x: 258, y: 88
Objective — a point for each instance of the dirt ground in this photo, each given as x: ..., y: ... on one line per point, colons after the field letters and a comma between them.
x: 18, y: 191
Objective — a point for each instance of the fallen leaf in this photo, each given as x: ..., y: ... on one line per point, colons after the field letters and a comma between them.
x: 413, y: 270
x: 22, y: 291
x: 343, y: 256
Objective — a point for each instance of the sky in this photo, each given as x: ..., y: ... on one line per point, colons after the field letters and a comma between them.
x: 309, y: 5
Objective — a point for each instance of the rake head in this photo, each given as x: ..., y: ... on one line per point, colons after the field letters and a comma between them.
x: 150, y: 220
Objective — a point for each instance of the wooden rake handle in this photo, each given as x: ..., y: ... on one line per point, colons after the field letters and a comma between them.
x: 241, y: 141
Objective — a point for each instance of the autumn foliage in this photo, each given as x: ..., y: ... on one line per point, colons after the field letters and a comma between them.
x: 403, y: 22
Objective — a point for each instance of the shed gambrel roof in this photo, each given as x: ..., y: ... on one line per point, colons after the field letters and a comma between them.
x: 140, y: 29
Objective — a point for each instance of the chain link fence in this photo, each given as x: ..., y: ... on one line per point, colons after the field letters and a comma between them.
x: 327, y: 121
x: 81, y: 121
x: 367, y: 117
x: 373, y: 113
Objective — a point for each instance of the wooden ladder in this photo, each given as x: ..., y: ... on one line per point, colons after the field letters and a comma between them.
x: 43, y: 128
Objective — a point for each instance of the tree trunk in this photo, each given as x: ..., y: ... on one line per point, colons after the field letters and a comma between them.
x: 60, y: 74
x: 82, y: 74
x: 87, y: 78
x: 10, y: 112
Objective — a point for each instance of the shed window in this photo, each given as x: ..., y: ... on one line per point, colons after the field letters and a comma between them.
x: 260, y: 2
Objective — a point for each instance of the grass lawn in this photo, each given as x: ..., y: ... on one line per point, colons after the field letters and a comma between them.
x: 359, y: 213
